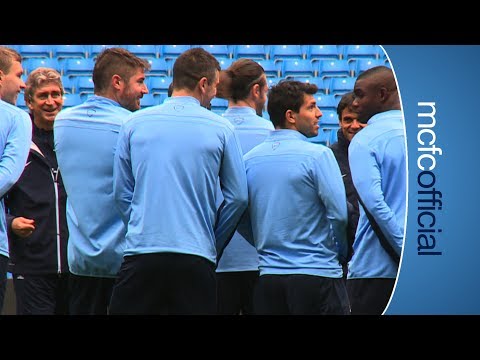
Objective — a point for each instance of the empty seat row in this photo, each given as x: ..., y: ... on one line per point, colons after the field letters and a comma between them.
x: 160, y: 67
x: 257, y: 52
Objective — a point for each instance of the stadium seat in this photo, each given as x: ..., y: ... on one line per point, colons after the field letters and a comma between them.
x: 159, y: 67
x: 225, y: 63
x: 321, y: 84
x: 273, y: 81
x: 360, y: 65
x: 219, y: 105
x: 297, y: 68
x: 333, y: 136
x: 322, y: 52
x: 329, y: 119
x: 219, y: 51
x: 30, y: 64
x: 83, y: 85
x: 21, y: 102
x: 144, y: 51
x: 68, y: 85
x: 94, y: 50
x: 340, y: 86
x: 322, y: 138
x: 69, y: 51
x: 71, y: 100
x: 75, y: 67
x: 160, y: 98
x: 254, y: 52
x: 326, y: 102
x: 42, y: 51
x: 158, y: 84
x: 271, y: 69
x: 332, y: 68
x: 351, y: 52
x: 282, y: 52
x: 172, y: 51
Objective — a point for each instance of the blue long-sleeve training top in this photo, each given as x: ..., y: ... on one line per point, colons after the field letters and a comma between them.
x: 297, y: 206
x: 15, y: 139
x: 85, y: 138
x: 251, y: 130
x: 168, y: 163
x: 377, y: 157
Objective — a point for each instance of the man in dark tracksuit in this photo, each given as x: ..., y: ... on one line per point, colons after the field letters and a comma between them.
x: 349, y: 126
x: 35, y: 205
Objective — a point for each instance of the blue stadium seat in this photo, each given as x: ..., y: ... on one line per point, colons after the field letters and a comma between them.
x: 282, y: 52
x: 322, y: 138
x: 323, y: 52
x: 254, y: 52
x: 30, y: 64
x: 160, y: 98
x: 219, y: 105
x: 326, y: 102
x: 148, y: 100
x: 172, y: 51
x: 340, y: 86
x: 297, y: 68
x: 94, y: 50
x: 42, y: 51
x: 71, y: 100
x: 360, y: 65
x: 333, y: 136
x: 321, y: 84
x: 351, y: 52
x: 69, y: 51
x: 83, y: 85
x: 74, y: 67
x: 219, y: 51
x: 21, y: 102
x: 271, y: 69
x: 329, y: 119
x: 144, y: 51
x: 158, y: 84
x: 225, y: 63
x: 273, y: 81
x: 333, y: 68
x: 159, y: 67
x: 68, y: 85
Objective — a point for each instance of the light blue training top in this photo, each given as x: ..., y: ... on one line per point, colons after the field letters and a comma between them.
x: 15, y: 139
x: 377, y: 157
x: 297, y: 206
x: 169, y: 160
x: 85, y: 138
x: 251, y: 129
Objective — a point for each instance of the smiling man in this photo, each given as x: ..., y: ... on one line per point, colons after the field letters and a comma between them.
x: 85, y: 140
x: 349, y: 127
x: 37, y: 227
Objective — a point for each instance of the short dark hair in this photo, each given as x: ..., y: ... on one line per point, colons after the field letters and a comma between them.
x: 345, y: 102
x: 287, y: 95
x: 115, y: 61
x: 191, y: 66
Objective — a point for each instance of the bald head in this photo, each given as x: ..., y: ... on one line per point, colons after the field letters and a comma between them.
x: 375, y: 92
